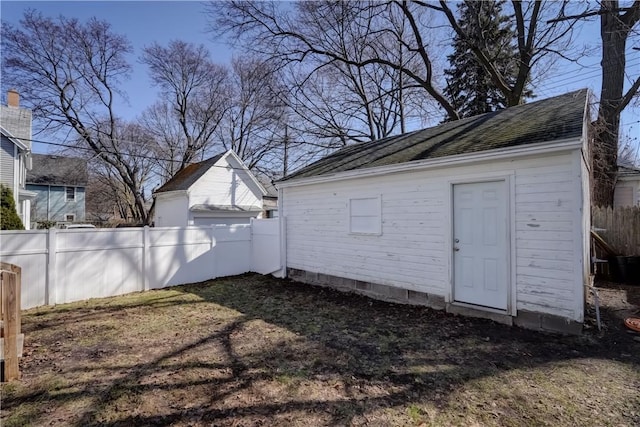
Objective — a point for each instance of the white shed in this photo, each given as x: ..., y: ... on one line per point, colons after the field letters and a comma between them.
x: 486, y: 216
x: 219, y: 190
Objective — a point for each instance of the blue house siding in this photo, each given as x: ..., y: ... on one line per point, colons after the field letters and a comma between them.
x: 7, y: 159
x: 51, y: 203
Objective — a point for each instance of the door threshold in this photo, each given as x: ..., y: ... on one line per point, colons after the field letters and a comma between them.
x: 465, y: 309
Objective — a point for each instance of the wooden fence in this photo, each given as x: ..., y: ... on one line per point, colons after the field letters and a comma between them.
x: 620, y: 228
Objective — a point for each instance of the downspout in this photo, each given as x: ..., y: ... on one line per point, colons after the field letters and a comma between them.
x: 48, y: 202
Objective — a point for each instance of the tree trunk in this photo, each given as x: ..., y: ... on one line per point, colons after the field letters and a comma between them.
x: 605, y: 146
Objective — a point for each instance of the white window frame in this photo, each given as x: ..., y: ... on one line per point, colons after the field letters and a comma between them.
x: 66, y: 194
x: 66, y: 217
x: 375, y: 213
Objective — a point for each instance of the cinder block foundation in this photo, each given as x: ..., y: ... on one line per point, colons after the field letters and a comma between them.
x: 524, y: 319
x: 547, y: 322
x: 373, y: 290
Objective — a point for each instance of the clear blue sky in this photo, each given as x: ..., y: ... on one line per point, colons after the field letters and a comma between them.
x: 145, y: 22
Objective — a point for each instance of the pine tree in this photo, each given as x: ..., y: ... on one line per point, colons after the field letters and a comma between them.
x: 9, y: 219
x: 469, y: 86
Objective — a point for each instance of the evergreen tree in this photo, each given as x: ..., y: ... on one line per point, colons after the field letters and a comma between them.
x: 9, y: 219
x: 469, y: 86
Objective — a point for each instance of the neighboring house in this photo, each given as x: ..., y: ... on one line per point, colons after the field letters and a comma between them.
x: 59, y: 183
x: 219, y: 190
x: 15, y: 153
x: 486, y: 216
x: 627, y: 191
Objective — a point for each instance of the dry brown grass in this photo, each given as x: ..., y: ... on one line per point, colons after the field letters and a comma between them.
x: 252, y: 350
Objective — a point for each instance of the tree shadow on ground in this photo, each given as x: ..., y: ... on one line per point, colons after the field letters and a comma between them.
x: 297, y: 354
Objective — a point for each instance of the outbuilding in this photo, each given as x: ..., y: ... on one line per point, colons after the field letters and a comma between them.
x: 486, y: 216
x: 220, y: 190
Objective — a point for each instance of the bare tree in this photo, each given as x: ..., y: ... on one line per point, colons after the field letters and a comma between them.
x: 324, y: 33
x: 195, y: 91
x: 615, y: 27
x: 618, y: 88
x: 628, y: 152
x: 69, y: 74
x: 253, y: 124
x: 168, y: 147
x: 355, y: 53
x: 133, y: 142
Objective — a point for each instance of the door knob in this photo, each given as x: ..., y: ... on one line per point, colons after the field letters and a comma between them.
x: 456, y: 249
x: 457, y: 240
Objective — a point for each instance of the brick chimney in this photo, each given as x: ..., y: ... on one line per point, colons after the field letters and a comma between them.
x: 13, y: 98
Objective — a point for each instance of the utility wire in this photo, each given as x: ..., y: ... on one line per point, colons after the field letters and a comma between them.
x: 141, y: 156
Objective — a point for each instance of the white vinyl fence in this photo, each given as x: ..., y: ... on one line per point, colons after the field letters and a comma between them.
x: 60, y: 266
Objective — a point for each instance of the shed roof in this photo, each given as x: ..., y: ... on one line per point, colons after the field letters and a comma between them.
x: 189, y: 175
x: 556, y: 118
x: 51, y: 169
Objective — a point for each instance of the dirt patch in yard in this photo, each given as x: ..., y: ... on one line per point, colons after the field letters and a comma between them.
x: 257, y: 351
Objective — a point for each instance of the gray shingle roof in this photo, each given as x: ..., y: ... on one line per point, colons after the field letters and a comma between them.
x: 551, y: 119
x: 58, y: 170
x: 189, y: 175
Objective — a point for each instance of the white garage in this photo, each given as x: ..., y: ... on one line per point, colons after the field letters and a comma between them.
x: 219, y: 190
x: 486, y: 216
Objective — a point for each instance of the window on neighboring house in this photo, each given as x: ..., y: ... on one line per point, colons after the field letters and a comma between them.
x: 70, y: 217
x: 365, y: 215
x: 71, y: 194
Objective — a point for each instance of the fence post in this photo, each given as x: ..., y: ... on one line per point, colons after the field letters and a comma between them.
x: 146, y: 261
x: 11, y: 319
x: 251, y: 225
x: 283, y: 246
x: 50, y: 291
x: 212, y: 251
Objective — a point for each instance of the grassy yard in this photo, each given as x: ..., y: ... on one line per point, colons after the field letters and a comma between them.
x: 257, y: 351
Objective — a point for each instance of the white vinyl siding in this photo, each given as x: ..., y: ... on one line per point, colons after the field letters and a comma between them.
x: 414, y: 249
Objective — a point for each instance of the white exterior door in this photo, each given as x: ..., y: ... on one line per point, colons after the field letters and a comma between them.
x: 480, y: 244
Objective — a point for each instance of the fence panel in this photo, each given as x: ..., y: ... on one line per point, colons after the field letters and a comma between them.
x: 265, y: 245
x: 61, y: 266
x: 179, y: 255
x: 232, y: 249
x: 28, y: 249
x: 100, y: 263
x: 621, y: 227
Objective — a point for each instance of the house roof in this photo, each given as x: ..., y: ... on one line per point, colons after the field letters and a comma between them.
x: 224, y: 208
x: 57, y: 170
x: 561, y: 117
x: 189, y: 175
x: 628, y: 171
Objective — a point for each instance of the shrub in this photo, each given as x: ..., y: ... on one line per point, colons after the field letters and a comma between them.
x: 45, y: 225
x: 9, y: 219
